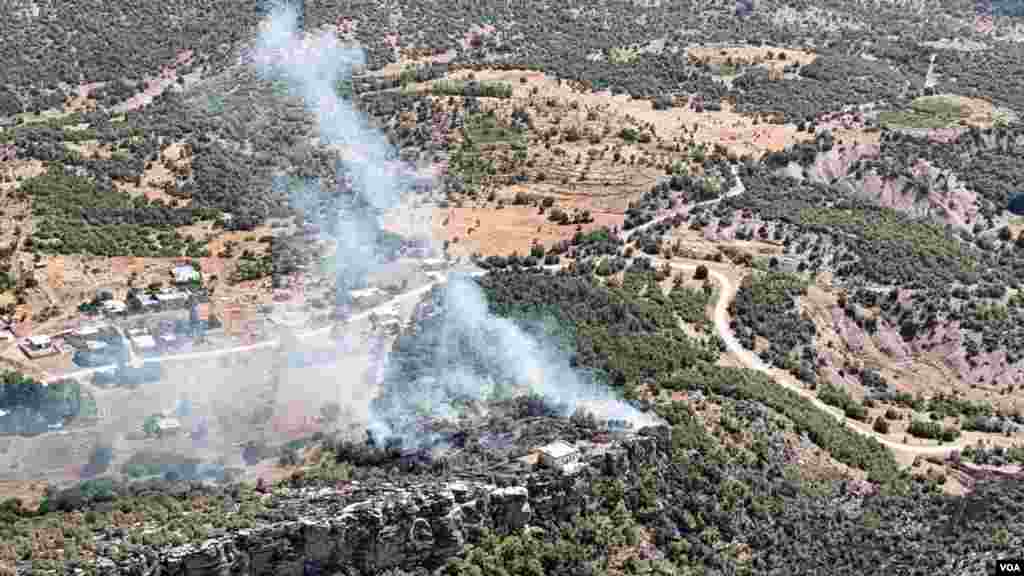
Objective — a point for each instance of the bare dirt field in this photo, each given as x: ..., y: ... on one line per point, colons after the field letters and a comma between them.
x: 30, y: 493
x: 606, y: 149
x: 499, y: 232
x: 773, y: 58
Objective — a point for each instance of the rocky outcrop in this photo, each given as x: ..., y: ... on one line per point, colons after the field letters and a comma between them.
x: 363, y: 529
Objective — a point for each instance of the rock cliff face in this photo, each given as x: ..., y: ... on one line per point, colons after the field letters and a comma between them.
x: 362, y: 529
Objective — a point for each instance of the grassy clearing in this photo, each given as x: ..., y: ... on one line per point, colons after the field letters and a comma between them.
x: 483, y: 89
x: 622, y: 55
x: 926, y: 112
x: 485, y: 129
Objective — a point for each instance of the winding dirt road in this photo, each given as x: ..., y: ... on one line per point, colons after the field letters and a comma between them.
x: 750, y: 360
x: 727, y: 293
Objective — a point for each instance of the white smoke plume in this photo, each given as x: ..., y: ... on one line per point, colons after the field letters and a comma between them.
x: 312, y: 66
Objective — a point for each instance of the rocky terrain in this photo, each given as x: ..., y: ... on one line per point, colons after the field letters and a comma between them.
x: 788, y: 235
x: 371, y: 528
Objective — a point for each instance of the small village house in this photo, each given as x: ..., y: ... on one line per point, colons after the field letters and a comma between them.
x: 171, y: 299
x: 185, y: 274
x: 559, y: 455
x: 38, y: 346
x: 167, y: 426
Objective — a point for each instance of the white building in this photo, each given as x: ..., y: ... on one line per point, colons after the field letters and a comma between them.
x: 433, y: 264
x: 87, y: 331
x: 559, y: 455
x: 39, y: 343
x: 172, y: 299
x: 185, y: 273
x: 168, y: 425
x: 38, y: 346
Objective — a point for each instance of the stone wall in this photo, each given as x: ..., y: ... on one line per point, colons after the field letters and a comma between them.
x: 363, y: 529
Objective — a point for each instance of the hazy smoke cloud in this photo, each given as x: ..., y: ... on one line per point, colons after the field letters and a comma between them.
x: 313, y: 66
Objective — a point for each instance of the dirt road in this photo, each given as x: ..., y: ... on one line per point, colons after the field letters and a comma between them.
x: 727, y: 292
x: 750, y: 360
x: 320, y: 332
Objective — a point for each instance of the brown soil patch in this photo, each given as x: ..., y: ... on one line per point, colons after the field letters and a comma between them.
x: 727, y: 360
x: 694, y: 244
x: 82, y: 100
x: 750, y: 55
x: 1016, y: 225
x: 957, y: 483
x: 158, y: 180
x: 490, y: 231
x: 599, y: 163
x: 11, y: 172
x: 411, y: 58
x: 976, y: 112
x: 30, y: 492
x: 218, y: 239
x: 89, y: 149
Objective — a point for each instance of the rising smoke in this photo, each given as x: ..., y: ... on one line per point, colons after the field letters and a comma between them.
x: 313, y: 66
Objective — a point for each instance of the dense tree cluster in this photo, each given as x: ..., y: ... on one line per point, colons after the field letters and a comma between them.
x: 29, y: 406
x: 711, y: 498
x: 626, y: 337
x: 834, y: 80
x: 765, y: 306
x: 704, y: 497
x: 880, y: 244
x: 562, y: 42
x: 994, y: 74
x: 56, y: 46
x: 943, y: 276
x: 79, y: 215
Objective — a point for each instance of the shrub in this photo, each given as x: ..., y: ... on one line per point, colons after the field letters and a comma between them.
x: 881, y: 425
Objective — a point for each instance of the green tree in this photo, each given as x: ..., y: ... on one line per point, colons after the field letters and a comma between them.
x: 881, y: 425
x: 151, y: 426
